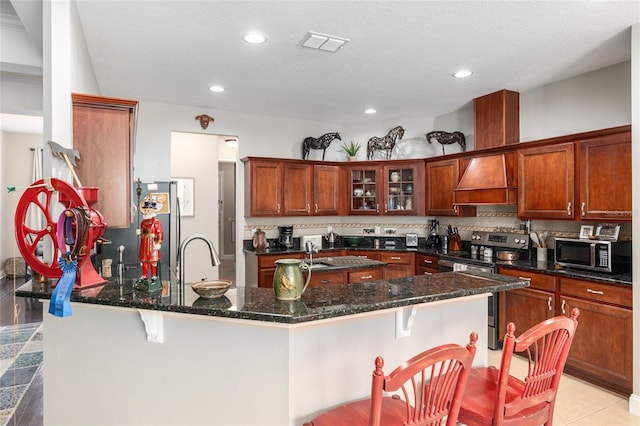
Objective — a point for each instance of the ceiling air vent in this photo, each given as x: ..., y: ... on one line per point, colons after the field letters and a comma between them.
x: 324, y: 42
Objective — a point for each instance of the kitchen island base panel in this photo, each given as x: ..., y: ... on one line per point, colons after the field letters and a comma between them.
x: 100, y: 368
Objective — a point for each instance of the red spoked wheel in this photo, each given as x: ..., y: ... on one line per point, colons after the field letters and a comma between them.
x: 37, y: 201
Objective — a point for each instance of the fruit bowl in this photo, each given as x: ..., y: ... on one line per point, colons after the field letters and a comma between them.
x: 353, y: 241
x: 211, y: 289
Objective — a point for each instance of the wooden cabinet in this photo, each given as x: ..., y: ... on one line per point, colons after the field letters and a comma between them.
x: 442, y: 177
x: 267, y: 267
x: 546, y: 182
x: 399, y: 264
x: 263, y: 188
x: 496, y: 119
x: 392, y: 189
x: 426, y: 264
x: 103, y: 133
x: 604, y: 176
x: 321, y: 279
x: 292, y: 188
x: 526, y: 307
x: 365, y: 275
x: 602, y: 348
x: 367, y: 254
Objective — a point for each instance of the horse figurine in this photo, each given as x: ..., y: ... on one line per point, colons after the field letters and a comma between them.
x: 322, y: 142
x: 388, y: 142
x: 446, y: 138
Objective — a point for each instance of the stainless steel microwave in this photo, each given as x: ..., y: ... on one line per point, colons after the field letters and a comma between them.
x: 594, y: 255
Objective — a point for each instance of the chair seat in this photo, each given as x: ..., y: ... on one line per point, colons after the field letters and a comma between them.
x: 483, y: 385
x: 394, y: 412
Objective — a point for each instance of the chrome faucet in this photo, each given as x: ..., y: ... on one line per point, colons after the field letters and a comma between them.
x: 310, y: 248
x: 215, y: 259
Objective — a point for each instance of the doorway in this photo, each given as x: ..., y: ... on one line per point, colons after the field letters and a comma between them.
x: 227, y: 219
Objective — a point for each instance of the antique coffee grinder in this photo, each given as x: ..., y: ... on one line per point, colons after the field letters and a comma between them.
x: 433, y: 240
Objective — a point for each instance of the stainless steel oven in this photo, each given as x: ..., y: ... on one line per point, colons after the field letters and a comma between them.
x: 459, y: 264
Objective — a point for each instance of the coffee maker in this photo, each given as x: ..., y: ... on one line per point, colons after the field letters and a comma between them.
x: 286, y: 236
x: 433, y: 240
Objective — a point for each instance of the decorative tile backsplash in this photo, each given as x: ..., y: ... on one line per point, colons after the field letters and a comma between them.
x: 488, y: 218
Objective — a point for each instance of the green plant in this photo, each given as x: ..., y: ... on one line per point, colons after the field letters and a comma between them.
x: 351, y: 149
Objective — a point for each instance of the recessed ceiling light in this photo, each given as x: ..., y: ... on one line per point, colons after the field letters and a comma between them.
x: 462, y: 74
x: 217, y: 89
x: 369, y: 111
x: 254, y: 38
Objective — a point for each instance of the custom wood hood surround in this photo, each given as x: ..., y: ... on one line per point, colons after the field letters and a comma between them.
x: 488, y: 180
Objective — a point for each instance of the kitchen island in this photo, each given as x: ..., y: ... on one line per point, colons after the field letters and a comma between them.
x: 131, y: 358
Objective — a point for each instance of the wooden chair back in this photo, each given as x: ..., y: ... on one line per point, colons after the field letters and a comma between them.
x: 432, y: 384
x: 546, y: 346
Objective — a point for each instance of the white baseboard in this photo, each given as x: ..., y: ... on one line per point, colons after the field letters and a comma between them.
x: 634, y: 404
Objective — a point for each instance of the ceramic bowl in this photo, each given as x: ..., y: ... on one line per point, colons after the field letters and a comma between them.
x: 358, y: 192
x: 353, y: 241
x: 211, y: 289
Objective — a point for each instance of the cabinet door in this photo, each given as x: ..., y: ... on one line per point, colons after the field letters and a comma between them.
x: 264, y: 188
x: 297, y: 189
x: 103, y: 134
x: 605, y: 177
x: 426, y: 264
x: 602, y: 346
x: 265, y: 277
x: 398, y: 271
x: 442, y: 178
x: 546, y: 182
x: 364, y: 275
x: 525, y: 308
x: 327, y: 190
x: 403, y: 193
x: 364, y: 190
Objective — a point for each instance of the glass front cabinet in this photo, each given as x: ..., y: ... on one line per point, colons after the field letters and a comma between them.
x: 364, y: 190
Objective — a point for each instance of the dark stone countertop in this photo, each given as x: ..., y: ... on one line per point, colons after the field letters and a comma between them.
x: 317, y: 303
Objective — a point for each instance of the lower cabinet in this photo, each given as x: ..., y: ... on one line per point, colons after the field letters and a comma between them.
x: 321, y: 279
x: 426, y: 264
x: 267, y: 267
x: 602, y: 349
x: 364, y: 275
x: 399, y: 265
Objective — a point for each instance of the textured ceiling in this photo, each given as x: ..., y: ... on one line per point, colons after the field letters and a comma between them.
x: 399, y: 59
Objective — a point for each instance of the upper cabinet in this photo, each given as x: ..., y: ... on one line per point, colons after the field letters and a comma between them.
x: 365, y: 189
x: 292, y: 188
x: 545, y: 182
x: 103, y: 133
x: 442, y: 178
x: 496, y: 119
x: 604, y: 177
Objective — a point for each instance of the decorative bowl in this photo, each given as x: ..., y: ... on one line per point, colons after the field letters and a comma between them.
x: 353, y: 241
x: 211, y: 289
x: 358, y: 192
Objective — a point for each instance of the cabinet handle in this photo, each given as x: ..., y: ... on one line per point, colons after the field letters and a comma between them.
x: 428, y: 261
x: 525, y: 278
x: 600, y: 292
x: 582, y: 208
x: 395, y: 258
x: 328, y: 281
x: 278, y: 207
x: 562, y: 307
x: 428, y: 273
x: 366, y: 277
x: 308, y: 208
x: 316, y: 206
x: 377, y: 208
x: 455, y: 209
x: 385, y: 208
x: 549, y: 303
x: 569, y: 208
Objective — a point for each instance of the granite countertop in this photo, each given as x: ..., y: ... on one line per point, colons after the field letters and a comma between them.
x: 317, y: 303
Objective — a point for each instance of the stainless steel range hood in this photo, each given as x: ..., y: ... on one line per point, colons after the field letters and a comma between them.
x: 487, y: 180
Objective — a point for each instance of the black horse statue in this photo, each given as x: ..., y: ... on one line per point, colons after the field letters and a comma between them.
x: 387, y: 142
x: 322, y: 143
x: 446, y: 138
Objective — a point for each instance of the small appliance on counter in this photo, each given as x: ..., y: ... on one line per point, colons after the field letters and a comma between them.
x: 594, y: 255
x: 433, y: 240
x: 411, y: 241
x: 286, y: 236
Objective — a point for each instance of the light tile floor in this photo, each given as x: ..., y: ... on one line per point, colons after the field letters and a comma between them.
x: 580, y: 403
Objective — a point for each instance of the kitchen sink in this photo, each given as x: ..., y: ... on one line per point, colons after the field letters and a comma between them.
x: 318, y: 266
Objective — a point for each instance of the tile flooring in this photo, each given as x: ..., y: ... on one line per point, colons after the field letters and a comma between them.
x: 580, y: 403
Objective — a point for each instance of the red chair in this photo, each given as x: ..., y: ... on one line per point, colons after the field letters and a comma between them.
x: 433, y: 381
x: 494, y: 397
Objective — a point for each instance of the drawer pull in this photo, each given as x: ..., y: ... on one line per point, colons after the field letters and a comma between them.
x: 600, y: 292
x: 525, y: 278
x: 549, y: 303
x: 395, y: 258
x: 428, y: 273
x: 428, y: 261
x: 366, y: 277
x: 325, y: 281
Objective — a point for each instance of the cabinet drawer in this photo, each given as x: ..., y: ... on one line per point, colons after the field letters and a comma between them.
x: 269, y: 260
x: 421, y: 270
x: 319, y: 279
x: 537, y: 281
x: 397, y: 258
x: 369, y: 254
x: 427, y: 261
x: 364, y: 275
x: 607, y: 293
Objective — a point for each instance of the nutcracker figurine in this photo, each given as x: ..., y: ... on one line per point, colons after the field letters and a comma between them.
x: 151, y: 236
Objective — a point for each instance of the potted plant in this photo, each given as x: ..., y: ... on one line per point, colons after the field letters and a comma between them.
x: 351, y: 149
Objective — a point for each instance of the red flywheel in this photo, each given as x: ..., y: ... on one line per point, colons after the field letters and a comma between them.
x: 38, y: 201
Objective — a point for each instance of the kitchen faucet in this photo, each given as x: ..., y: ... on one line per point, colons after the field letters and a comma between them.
x: 310, y: 248
x: 215, y: 259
